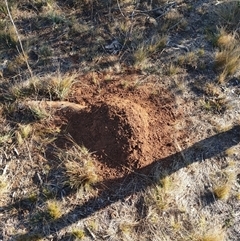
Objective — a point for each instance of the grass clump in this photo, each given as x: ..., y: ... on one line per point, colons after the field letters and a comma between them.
x: 23, y: 133
x: 78, y: 233
x: 79, y: 167
x: 230, y: 152
x: 80, y: 174
x: 172, y: 69
x: 173, y: 20
x: 166, y: 183
x: 32, y: 198
x: 5, y: 138
x: 222, y: 192
x: 208, y: 234
x: 39, y: 112
x: 8, y: 37
x: 238, y: 196
x: 215, y: 105
x: 54, y: 209
x: 145, y: 50
x: 21, y: 59
x: 60, y: 86
x: 126, y: 228
x: 158, y: 198
x: 3, y: 184
x: 224, y: 39
x: 224, y: 181
x: 212, y: 89
x: 214, y: 236
x: 227, y: 58
x: 25, y: 130
x: 52, y: 14
x: 228, y: 13
x: 53, y: 87
x: 189, y: 59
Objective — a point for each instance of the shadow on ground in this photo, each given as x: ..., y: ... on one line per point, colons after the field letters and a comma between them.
x: 143, y: 178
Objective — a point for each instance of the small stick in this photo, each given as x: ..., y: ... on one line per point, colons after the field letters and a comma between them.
x: 18, y: 36
x: 120, y: 9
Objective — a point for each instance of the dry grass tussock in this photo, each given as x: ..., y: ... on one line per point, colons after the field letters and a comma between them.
x: 227, y: 58
x: 79, y: 167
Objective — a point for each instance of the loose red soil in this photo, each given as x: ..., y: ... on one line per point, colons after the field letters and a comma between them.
x: 126, y: 127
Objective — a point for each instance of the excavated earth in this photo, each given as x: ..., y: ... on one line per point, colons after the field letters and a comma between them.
x: 126, y: 127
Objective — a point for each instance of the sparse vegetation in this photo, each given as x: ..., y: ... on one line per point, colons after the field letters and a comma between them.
x: 230, y: 152
x: 80, y: 176
x: 173, y: 69
x: 26, y: 237
x: 212, y: 89
x: 238, y: 196
x: 3, y: 184
x: 60, y: 86
x: 78, y: 233
x: 23, y: 133
x: 39, y: 112
x: 212, y: 236
x: 145, y: 50
x: 223, y: 187
x: 191, y: 59
x: 222, y: 192
x: 217, y: 105
x: 229, y: 14
x: 54, y: 210
x: 80, y: 168
x: 227, y: 57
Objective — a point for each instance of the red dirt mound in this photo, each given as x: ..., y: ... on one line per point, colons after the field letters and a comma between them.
x: 117, y: 130
x: 126, y: 129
